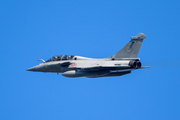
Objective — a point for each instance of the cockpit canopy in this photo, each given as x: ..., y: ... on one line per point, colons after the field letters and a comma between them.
x: 60, y: 58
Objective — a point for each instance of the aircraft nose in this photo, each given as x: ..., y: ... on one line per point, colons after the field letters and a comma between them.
x: 32, y: 69
x: 38, y: 68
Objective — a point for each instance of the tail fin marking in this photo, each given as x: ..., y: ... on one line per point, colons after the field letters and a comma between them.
x: 131, y: 49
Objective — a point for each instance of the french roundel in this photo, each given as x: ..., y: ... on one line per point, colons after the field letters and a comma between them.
x: 73, y: 64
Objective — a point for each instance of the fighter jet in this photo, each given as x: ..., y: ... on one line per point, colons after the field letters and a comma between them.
x: 121, y: 63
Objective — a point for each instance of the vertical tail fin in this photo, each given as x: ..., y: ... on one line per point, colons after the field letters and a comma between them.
x: 131, y: 49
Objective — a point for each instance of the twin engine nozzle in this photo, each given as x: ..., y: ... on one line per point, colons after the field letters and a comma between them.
x: 135, y: 64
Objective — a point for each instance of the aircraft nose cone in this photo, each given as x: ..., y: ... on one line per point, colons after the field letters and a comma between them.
x: 32, y: 69
x: 37, y: 68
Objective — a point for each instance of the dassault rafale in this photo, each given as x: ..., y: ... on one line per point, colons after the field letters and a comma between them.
x: 121, y: 63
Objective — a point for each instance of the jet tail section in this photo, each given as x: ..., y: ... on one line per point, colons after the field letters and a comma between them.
x: 131, y: 49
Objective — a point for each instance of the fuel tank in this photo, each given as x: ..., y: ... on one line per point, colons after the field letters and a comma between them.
x: 74, y: 73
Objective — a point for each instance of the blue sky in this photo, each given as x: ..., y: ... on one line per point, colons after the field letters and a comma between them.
x: 31, y: 29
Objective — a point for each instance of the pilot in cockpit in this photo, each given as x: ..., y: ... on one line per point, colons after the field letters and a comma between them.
x: 55, y: 58
x: 69, y: 57
x: 59, y: 58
